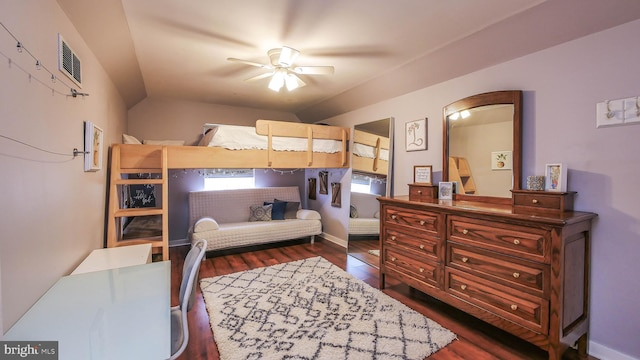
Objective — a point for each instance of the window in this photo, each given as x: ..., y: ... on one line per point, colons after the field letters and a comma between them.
x: 360, y: 183
x: 225, y: 179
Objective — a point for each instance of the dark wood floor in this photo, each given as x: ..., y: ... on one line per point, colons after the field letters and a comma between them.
x: 476, y: 340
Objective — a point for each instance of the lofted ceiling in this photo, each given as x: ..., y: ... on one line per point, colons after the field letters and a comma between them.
x: 379, y: 48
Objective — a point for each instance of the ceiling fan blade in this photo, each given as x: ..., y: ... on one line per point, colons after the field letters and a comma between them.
x: 247, y: 62
x: 313, y: 70
x: 261, y: 76
x: 288, y: 56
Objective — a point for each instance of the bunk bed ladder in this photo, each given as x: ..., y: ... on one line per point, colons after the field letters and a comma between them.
x: 118, y: 212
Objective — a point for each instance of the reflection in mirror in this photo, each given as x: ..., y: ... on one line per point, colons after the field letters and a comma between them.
x: 482, y: 147
x: 371, y: 166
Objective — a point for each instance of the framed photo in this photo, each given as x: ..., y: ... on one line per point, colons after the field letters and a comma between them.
x: 501, y: 160
x: 312, y: 188
x: 416, y: 135
x: 445, y: 190
x: 336, y: 194
x: 93, y: 138
x: 422, y: 174
x: 555, y: 177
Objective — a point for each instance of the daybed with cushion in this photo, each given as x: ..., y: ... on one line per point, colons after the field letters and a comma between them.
x: 244, y: 217
x: 364, y: 215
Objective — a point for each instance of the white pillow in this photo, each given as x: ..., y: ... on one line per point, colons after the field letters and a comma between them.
x: 128, y: 139
x: 308, y: 215
x: 205, y: 224
x: 376, y: 215
x: 163, y: 142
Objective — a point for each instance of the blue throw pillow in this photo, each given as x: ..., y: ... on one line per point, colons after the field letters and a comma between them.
x: 278, y: 209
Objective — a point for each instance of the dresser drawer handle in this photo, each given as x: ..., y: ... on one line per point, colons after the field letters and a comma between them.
x: 465, y: 231
x: 514, y: 307
x: 393, y: 237
x: 421, y: 270
x: 535, y: 201
x: 419, y: 192
x: 393, y: 259
x: 516, y: 242
x: 465, y: 259
x: 516, y: 275
x: 394, y: 217
x: 421, y: 247
x: 422, y: 222
x: 463, y: 287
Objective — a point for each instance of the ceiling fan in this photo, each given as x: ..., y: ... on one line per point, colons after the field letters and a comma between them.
x: 282, y: 70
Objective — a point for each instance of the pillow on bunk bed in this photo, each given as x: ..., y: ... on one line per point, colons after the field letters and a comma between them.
x: 260, y: 212
x: 128, y: 139
x: 163, y: 142
x: 207, y: 137
x: 291, y: 208
x: 308, y: 215
x: 353, y: 211
x: 205, y: 224
x: 277, y: 210
x: 376, y: 214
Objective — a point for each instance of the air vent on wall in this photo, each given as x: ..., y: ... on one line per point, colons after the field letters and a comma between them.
x: 68, y: 61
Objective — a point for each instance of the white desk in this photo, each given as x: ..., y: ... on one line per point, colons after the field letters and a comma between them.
x: 112, y: 258
x: 111, y: 314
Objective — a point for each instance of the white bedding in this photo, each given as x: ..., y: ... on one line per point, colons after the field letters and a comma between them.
x: 369, y: 151
x: 234, y: 137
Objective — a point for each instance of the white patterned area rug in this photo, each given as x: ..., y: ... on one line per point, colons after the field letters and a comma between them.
x: 312, y: 309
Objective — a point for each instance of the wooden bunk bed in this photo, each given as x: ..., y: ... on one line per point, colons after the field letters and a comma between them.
x: 158, y: 159
x: 370, y: 153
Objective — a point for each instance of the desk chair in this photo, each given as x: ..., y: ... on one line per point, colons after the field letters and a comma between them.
x: 179, y: 326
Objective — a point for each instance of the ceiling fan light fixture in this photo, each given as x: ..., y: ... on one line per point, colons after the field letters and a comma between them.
x: 288, y: 56
x: 293, y: 82
x: 277, y: 81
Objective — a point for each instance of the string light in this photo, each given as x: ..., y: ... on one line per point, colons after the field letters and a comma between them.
x: 39, y: 66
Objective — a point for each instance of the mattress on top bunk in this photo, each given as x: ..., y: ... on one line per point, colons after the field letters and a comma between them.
x: 367, y: 151
x: 235, y: 137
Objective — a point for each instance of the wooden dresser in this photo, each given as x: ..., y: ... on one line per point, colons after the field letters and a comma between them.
x: 526, y: 274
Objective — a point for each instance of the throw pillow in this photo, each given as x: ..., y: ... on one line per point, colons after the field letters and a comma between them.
x: 128, y: 139
x: 277, y: 210
x: 205, y: 224
x: 353, y: 212
x: 260, y: 212
x: 291, y: 210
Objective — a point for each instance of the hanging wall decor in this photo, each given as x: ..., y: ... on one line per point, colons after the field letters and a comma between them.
x: 312, y: 188
x: 416, y: 135
x: 336, y: 195
x: 93, y: 137
x: 324, y: 182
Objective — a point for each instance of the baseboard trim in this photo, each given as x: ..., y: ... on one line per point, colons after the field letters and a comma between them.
x: 605, y: 353
x: 334, y: 239
x: 179, y: 242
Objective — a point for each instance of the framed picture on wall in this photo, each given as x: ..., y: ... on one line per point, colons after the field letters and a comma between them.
x: 93, y: 138
x: 312, y: 188
x: 336, y: 194
x: 555, y: 177
x: 422, y: 174
x: 416, y: 135
x: 324, y: 182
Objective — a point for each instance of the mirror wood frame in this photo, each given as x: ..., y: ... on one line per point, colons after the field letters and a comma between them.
x: 513, y: 97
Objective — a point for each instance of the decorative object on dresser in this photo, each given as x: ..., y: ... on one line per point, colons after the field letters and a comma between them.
x: 289, y: 311
x: 555, y: 177
x: 535, y: 183
x: 422, y: 174
x: 517, y: 259
x: 445, y: 190
x: 423, y: 192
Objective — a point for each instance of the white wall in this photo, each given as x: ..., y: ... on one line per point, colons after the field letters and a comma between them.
x: 561, y: 88
x: 52, y: 211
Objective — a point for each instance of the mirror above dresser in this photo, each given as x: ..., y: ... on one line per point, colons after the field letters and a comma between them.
x: 482, y: 145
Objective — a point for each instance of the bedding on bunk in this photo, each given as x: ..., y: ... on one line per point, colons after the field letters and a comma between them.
x: 235, y: 137
x: 367, y: 151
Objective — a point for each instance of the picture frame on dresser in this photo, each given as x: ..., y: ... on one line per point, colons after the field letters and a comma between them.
x: 555, y: 177
x: 422, y: 174
x: 445, y: 190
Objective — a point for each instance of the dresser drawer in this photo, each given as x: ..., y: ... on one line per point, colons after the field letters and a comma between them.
x: 542, y: 202
x: 423, y: 193
x: 425, y: 271
x: 528, y: 243
x: 531, y: 277
x: 420, y: 220
x: 523, y: 309
x: 418, y: 243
